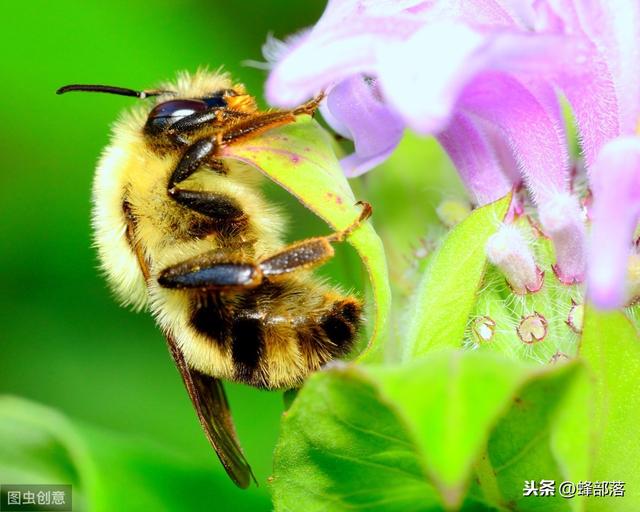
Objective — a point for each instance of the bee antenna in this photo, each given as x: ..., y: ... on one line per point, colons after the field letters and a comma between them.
x: 122, y: 91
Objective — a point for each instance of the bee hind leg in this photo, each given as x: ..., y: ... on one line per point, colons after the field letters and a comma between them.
x: 311, y: 252
x: 213, y: 270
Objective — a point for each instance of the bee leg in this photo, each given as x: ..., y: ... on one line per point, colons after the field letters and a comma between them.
x: 194, y: 157
x: 202, y: 150
x: 190, y: 124
x: 210, y: 275
x: 309, y: 253
x: 198, y: 120
x: 219, y: 207
x: 214, y: 271
x: 254, y: 125
x: 258, y: 123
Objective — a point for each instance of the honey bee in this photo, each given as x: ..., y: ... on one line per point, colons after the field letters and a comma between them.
x: 189, y: 236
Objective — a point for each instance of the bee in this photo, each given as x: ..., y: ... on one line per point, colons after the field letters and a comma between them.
x: 189, y: 236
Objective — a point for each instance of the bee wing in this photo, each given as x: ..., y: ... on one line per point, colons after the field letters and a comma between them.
x: 210, y: 401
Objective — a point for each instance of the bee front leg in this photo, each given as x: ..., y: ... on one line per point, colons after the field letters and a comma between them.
x: 240, y: 126
x: 190, y: 124
x: 254, y: 124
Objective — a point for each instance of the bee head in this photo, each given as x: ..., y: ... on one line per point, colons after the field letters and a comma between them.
x: 168, y: 110
x: 166, y: 113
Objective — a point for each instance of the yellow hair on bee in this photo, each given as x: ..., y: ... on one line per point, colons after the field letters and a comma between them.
x: 117, y: 258
x: 198, y: 84
x: 268, y: 335
x: 190, y: 236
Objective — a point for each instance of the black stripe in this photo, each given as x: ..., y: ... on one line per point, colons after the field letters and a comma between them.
x: 211, y: 318
x: 337, y: 330
x: 248, y: 347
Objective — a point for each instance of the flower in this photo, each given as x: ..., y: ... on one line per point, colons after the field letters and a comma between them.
x: 607, y: 110
x: 482, y: 77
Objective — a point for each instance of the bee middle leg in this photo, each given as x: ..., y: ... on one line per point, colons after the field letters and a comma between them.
x: 213, y: 271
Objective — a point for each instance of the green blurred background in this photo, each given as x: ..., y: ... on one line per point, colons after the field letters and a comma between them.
x: 65, y: 342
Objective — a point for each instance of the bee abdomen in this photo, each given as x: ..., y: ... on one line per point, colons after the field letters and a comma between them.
x: 280, y: 354
x: 276, y: 345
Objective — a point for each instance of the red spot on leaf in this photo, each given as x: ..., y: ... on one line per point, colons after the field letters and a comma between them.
x: 334, y: 197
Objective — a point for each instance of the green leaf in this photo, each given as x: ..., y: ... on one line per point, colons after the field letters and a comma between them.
x: 108, y: 471
x: 450, y: 402
x: 407, y: 437
x: 611, y: 347
x: 299, y: 157
x: 343, y: 447
x: 447, y: 292
x: 545, y: 436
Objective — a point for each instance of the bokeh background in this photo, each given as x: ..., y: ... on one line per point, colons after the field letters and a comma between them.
x: 99, y: 369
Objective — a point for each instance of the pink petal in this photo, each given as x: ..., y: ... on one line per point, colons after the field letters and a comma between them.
x: 564, y: 222
x: 480, y: 13
x: 504, y: 154
x: 537, y: 143
x: 333, y: 52
x: 354, y: 165
x: 604, y: 94
x: 426, y: 94
x: 510, y: 252
x: 474, y: 160
x: 593, y: 100
x: 376, y: 130
x: 615, y: 182
x: 614, y: 28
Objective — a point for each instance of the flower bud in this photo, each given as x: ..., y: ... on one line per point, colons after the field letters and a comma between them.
x: 563, y: 221
x: 509, y: 251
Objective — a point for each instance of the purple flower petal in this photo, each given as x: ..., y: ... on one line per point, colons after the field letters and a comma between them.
x: 615, y: 180
x: 536, y: 141
x: 592, y: 98
x: 333, y: 52
x: 614, y: 28
x: 510, y: 252
x: 354, y: 165
x: 475, y: 160
x: 604, y: 93
x: 426, y: 94
x: 564, y: 221
x: 376, y: 130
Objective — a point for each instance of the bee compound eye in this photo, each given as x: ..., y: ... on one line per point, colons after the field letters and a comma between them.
x: 166, y: 113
